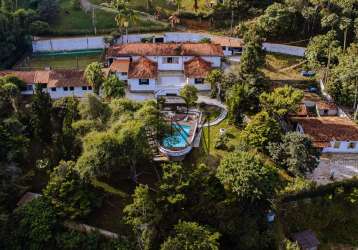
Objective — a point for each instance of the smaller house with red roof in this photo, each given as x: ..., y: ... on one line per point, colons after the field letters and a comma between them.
x: 331, y: 134
x: 58, y: 83
x: 165, y: 67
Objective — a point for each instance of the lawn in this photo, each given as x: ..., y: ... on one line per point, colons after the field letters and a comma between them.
x: 210, y: 155
x: 59, y: 62
x: 277, y: 67
x: 166, y: 5
x: 71, y: 22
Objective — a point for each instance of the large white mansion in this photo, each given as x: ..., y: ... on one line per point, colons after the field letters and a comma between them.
x: 165, y: 67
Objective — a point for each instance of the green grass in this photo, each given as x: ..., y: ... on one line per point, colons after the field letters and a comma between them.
x: 210, y: 155
x: 107, y: 188
x: 59, y: 62
x: 276, y: 62
x: 70, y: 19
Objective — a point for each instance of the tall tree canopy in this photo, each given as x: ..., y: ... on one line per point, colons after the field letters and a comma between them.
x: 248, y: 176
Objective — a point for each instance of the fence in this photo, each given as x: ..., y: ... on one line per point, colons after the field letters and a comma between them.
x: 68, y: 44
x: 83, y: 43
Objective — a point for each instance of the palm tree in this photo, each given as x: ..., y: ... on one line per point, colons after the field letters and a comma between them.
x: 124, y: 15
x: 344, y: 24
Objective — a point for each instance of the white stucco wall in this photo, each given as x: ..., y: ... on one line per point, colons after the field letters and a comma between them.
x: 60, y: 92
x: 342, y: 149
x: 134, y: 85
x: 200, y: 87
x: 284, y: 49
x: 68, y: 44
x: 331, y: 112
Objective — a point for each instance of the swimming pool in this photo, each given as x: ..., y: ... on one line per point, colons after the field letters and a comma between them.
x: 178, y: 138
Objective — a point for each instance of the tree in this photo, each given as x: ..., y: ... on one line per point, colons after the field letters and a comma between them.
x: 48, y: 9
x: 321, y: 49
x: 214, y: 78
x: 34, y: 225
x: 191, y: 236
x: 40, y: 113
x: 190, y: 94
x: 12, y: 92
x: 342, y: 84
x: 68, y: 193
x: 92, y: 108
x: 261, y: 130
x: 240, y: 99
x: 143, y: 216
x: 39, y: 28
x: 246, y: 175
x: 295, y: 153
x: 113, y: 87
x: 94, y: 76
x: 100, y: 155
x: 281, y: 101
x: 278, y: 20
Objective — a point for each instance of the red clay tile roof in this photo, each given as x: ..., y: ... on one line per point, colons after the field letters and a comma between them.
x: 165, y: 49
x: 66, y: 78
x: 119, y: 66
x: 326, y: 105
x: 26, y: 76
x: 53, y: 78
x: 301, y: 111
x: 228, y: 41
x: 143, y: 69
x: 197, y: 68
x: 325, y: 129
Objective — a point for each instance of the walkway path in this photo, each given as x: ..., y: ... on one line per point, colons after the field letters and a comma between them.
x: 210, y: 101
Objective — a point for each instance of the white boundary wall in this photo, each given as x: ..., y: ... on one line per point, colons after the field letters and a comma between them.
x: 83, y: 43
x: 68, y: 44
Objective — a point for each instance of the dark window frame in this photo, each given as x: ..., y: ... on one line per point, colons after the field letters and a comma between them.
x: 199, y: 80
x: 143, y: 81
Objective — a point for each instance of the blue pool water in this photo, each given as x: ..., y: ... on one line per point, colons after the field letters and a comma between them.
x: 176, y: 140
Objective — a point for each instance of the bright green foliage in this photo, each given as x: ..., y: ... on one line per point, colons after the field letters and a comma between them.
x: 289, y: 245
x: 191, y: 236
x: 281, y: 101
x: 92, y: 108
x: 39, y: 28
x: 34, y: 225
x: 94, y: 76
x: 143, y: 216
x: 214, y: 78
x: 246, y: 175
x: 83, y: 127
x: 41, y: 109
x: 261, y: 130
x: 278, y: 20
x: 174, y: 183
x: 122, y: 107
x: 100, y: 155
x: 65, y: 113
x: 69, y: 195
x: 113, y: 87
x: 295, y: 153
x: 240, y: 99
x: 343, y: 81
x: 253, y: 56
x: 320, y: 47
x: 189, y: 94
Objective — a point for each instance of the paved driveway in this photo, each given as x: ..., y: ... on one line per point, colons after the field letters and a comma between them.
x: 338, y: 166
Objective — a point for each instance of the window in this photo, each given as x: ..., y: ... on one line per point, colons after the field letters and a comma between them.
x: 65, y: 88
x: 30, y: 87
x: 72, y: 88
x: 84, y: 87
x: 325, y: 111
x: 171, y: 60
x: 351, y: 145
x: 199, y: 80
x: 53, y: 89
x: 123, y: 73
x: 336, y: 144
x: 89, y: 87
x: 143, y: 81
